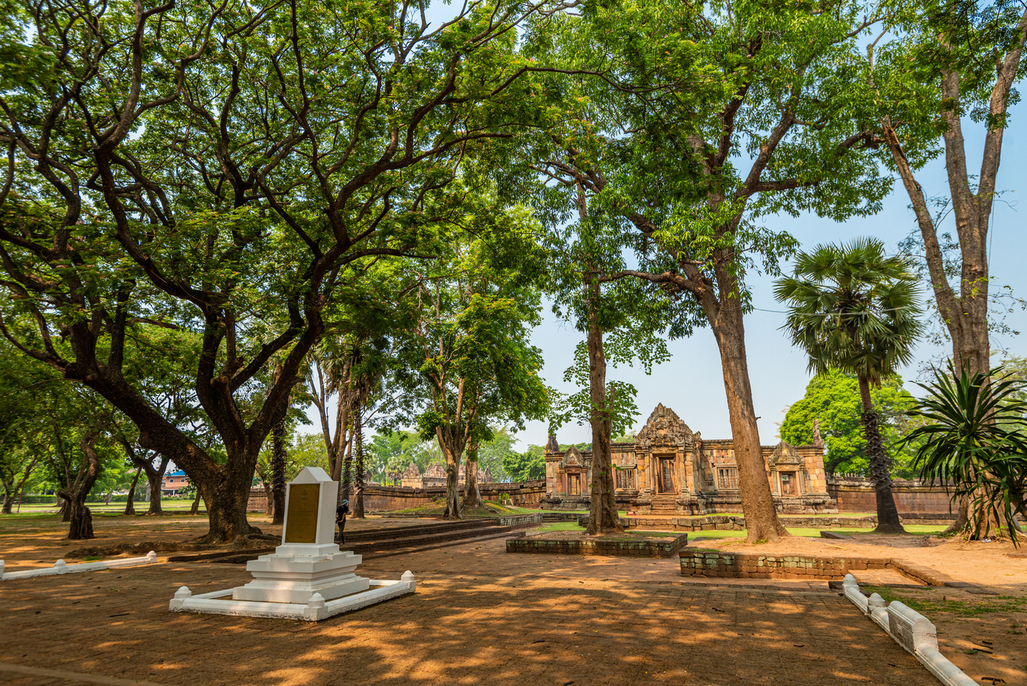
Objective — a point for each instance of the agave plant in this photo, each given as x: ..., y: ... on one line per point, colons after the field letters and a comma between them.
x: 974, y: 438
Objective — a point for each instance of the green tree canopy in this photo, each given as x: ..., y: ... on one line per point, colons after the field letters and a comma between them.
x: 527, y: 466
x: 833, y: 398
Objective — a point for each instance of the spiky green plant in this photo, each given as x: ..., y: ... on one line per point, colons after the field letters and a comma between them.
x: 975, y: 439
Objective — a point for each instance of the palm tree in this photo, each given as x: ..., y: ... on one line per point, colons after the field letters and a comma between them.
x: 853, y: 309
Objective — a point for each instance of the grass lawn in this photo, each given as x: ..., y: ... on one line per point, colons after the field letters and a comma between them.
x: 49, y: 508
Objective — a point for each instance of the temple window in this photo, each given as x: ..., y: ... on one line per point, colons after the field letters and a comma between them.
x: 727, y: 478
x: 626, y: 479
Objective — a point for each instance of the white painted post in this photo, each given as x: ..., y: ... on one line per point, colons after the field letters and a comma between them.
x: 408, y: 579
x: 315, y: 607
x: 61, y: 566
x: 181, y: 596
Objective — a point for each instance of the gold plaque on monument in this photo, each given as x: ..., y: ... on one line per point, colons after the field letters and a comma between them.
x: 301, y: 517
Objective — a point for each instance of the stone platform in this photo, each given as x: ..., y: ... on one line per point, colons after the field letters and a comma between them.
x: 614, y: 547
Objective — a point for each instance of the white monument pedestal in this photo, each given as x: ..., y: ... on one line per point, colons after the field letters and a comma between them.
x: 285, y: 578
x: 307, y: 577
x: 308, y: 561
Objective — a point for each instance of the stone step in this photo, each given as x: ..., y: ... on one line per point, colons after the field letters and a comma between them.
x: 374, y: 554
x: 387, y: 533
x: 393, y: 545
x: 394, y: 542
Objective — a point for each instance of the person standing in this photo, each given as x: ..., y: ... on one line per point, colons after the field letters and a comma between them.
x: 340, y: 519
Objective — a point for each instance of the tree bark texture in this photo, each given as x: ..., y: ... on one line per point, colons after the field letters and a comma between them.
x: 155, y: 478
x: 451, y: 444
x: 761, y: 520
x: 130, y: 508
x: 347, y: 471
x: 79, y: 516
x: 602, y: 508
x: 452, y: 510
x: 278, y: 471
x: 472, y: 496
x: 357, y: 502
x: 880, y: 473
x: 453, y: 437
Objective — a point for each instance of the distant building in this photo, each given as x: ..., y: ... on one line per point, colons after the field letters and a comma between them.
x: 173, y: 483
x: 435, y: 475
x: 669, y: 470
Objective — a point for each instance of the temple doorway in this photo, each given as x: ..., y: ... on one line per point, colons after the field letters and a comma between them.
x: 665, y: 475
x: 788, y: 484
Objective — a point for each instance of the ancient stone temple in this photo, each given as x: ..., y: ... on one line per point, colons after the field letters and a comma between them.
x: 670, y: 470
x: 435, y: 475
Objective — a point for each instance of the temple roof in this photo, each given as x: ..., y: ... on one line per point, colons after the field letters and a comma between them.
x: 664, y: 427
x: 785, y: 453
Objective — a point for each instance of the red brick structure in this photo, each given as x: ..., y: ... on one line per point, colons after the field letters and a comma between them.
x: 911, y: 497
x: 391, y: 498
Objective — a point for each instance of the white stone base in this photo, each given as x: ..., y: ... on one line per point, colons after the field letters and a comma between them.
x: 61, y: 567
x: 286, y: 577
x: 314, y: 610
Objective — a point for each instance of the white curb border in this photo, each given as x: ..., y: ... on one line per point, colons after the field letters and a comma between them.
x: 314, y: 610
x: 62, y: 567
x: 910, y: 629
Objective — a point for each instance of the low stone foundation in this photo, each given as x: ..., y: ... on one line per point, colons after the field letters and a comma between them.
x: 715, y: 563
x: 614, y: 547
x: 737, y: 522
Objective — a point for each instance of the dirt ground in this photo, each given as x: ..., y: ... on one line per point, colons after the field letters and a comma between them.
x: 483, y: 615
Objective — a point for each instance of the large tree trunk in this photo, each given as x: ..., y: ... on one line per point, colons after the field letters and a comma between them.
x: 887, y: 513
x: 81, y: 519
x: 602, y: 508
x: 357, y: 504
x: 761, y: 520
x: 226, y: 509
x: 347, y: 471
x: 278, y: 471
x: 269, y: 499
x: 452, y: 457
x: 154, y: 477
x: 130, y: 506
x: 79, y: 516
x: 8, y: 505
x: 472, y: 497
